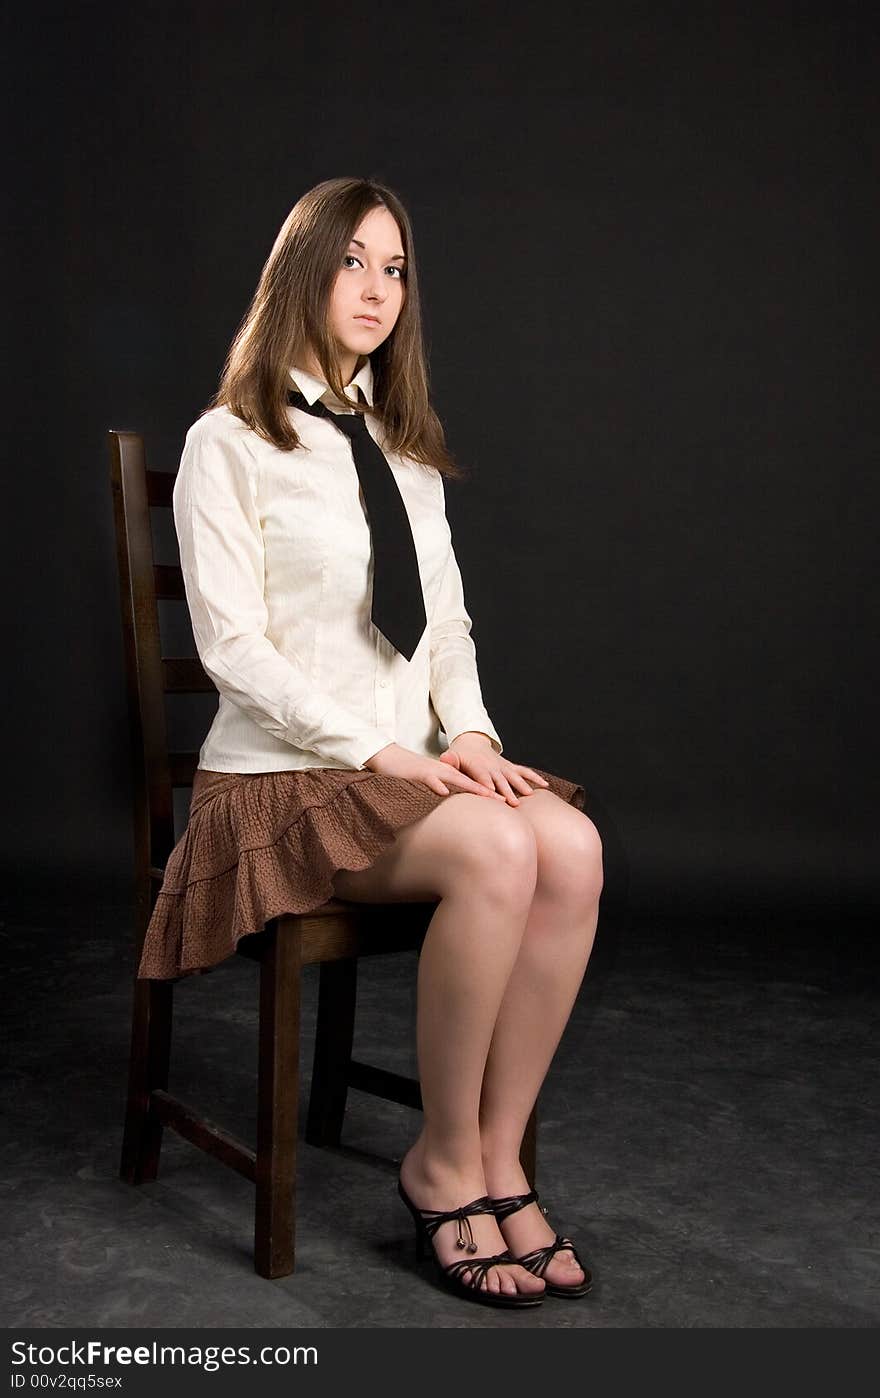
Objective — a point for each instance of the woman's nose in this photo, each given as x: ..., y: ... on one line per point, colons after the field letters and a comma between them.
x: 374, y: 287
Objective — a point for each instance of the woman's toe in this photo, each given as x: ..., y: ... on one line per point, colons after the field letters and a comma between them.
x: 565, y: 1273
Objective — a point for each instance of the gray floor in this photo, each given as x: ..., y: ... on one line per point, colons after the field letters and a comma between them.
x: 708, y: 1137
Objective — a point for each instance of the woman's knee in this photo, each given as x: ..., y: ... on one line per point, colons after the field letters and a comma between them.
x: 570, y: 855
x: 467, y: 843
x: 490, y: 852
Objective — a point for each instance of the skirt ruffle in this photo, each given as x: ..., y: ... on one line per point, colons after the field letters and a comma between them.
x: 261, y: 844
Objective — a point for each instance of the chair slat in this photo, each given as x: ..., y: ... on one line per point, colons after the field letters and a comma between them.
x: 201, y: 1132
x: 183, y: 767
x: 168, y: 579
x: 160, y: 487
x: 152, y: 805
x: 381, y: 1082
x: 184, y: 675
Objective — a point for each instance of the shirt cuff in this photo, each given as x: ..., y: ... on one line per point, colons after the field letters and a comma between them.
x: 351, y: 751
x: 469, y: 722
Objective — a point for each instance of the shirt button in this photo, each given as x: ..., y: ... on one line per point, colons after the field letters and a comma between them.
x: 383, y: 684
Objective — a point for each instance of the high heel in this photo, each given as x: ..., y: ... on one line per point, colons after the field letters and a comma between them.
x: 539, y: 1259
x: 427, y: 1221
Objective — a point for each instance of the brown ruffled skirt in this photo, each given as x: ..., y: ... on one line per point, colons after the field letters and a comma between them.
x: 261, y: 844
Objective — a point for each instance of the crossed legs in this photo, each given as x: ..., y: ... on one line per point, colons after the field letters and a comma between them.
x: 499, y: 971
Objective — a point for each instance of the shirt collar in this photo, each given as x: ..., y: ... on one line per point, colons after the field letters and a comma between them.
x: 313, y: 388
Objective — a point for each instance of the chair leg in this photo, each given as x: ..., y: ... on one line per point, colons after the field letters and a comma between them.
x: 278, y: 1103
x: 529, y: 1148
x: 148, y: 1070
x: 334, y: 1035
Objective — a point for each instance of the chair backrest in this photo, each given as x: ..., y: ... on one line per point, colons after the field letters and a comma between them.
x: 150, y: 676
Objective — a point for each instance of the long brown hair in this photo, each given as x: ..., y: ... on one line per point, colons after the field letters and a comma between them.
x: 287, y: 318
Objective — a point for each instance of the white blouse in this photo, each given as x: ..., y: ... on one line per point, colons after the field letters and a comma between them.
x: 277, y: 566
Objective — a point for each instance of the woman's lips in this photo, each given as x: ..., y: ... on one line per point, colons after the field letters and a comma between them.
x: 367, y: 320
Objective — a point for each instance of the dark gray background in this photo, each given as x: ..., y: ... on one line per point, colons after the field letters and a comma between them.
x: 647, y: 240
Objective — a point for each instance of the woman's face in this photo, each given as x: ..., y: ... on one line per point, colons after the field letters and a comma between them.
x: 369, y: 290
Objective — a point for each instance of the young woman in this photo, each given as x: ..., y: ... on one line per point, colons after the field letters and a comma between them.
x: 330, y: 764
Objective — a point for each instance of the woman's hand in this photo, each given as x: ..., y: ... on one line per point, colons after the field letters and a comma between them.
x: 473, y: 753
x: 441, y: 776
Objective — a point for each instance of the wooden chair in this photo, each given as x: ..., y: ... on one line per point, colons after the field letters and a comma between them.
x: 334, y: 935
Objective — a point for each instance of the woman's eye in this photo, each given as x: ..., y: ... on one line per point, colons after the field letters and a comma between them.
x: 350, y: 257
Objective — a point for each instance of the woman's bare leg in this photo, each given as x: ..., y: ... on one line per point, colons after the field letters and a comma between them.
x: 536, y: 1006
x: 482, y: 864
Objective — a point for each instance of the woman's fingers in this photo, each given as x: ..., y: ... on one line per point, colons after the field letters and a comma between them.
x: 513, y: 783
x: 506, y: 789
x: 534, y: 776
x: 502, y: 782
x: 520, y: 783
x: 499, y: 785
x: 470, y: 784
x: 522, y: 778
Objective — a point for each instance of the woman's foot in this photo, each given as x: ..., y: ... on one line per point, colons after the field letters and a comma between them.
x: 528, y: 1229
x: 433, y: 1186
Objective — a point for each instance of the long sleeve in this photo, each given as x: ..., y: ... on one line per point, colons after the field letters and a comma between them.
x: 222, y: 558
x: 455, y: 684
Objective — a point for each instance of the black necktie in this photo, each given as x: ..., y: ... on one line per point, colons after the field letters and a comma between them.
x: 398, y: 609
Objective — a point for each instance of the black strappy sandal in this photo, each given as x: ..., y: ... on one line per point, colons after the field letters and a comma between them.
x: 427, y: 1221
x: 539, y: 1259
